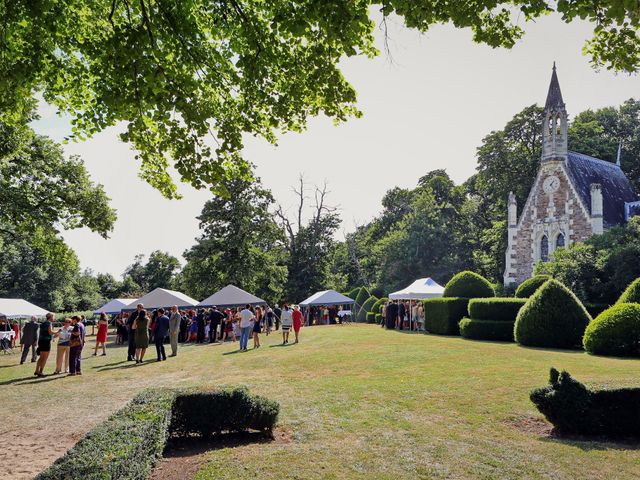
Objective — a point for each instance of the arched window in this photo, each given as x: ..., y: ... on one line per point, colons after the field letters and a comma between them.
x: 560, y: 240
x: 544, y: 249
x: 558, y: 125
x: 550, y: 121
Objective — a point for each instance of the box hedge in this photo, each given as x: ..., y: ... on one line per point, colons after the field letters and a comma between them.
x: 377, y: 307
x: 442, y: 315
x: 572, y: 408
x: 371, y: 317
x: 363, y: 296
x: 615, y: 332
x: 553, y: 317
x: 353, y: 294
x: 469, y: 285
x: 365, y: 308
x: 378, y: 319
x: 631, y: 293
x: 530, y: 285
x: 127, y: 445
x: 486, y: 329
x: 495, y: 309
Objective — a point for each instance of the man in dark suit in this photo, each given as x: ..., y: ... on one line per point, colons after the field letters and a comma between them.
x: 201, y: 321
x: 392, y: 315
x: 215, y: 318
x: 29, y: 340
x: 131, y: 351
x: 160, y: 332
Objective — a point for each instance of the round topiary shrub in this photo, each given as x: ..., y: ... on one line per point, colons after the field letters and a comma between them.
x: 497, y: 309
x: 552, y: 317
x: 530, y: 285
x: 631, y: 293
x: 615, y: 331
x: 486, y: 330
x: 469, y: 285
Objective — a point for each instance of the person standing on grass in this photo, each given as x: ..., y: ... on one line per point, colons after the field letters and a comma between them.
x: 296, y: 317
x: 286, y: 320
x: 392, y: 314
x: 174, y: 329
x: 268, y: 322
x: 141, y: 327
x: 29, y: 340
x: 216, y: 319
x: 246, y: 324
x: 200, y: 320
x: 62, y: 354
x: 161, y: 331
x: 257, y: 327
x: 277, y: 313
x: 44, y: 344
x: 75, y: 347
x: 131, y: 331
x: 101, y: 336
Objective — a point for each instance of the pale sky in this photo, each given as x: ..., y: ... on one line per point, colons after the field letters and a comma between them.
x: 428, y: 108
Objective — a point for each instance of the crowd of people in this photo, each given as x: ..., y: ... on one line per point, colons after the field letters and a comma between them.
x: 403, y: 315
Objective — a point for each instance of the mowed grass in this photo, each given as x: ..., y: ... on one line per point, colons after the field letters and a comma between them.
x: 356, y: 402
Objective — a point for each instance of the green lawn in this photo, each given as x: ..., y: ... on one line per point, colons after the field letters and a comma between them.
x: 357, y: 401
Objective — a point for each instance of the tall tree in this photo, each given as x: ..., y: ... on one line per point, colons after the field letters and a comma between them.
x: 310, y: 243
x: 178, y: 72
x: 159, y: 271
x: 240, y: 244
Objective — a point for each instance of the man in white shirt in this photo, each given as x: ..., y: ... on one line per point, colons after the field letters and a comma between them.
x: 246, y: 325
x: 287, y: 320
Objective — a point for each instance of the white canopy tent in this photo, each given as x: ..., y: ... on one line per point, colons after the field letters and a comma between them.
x: 19, y: 308
x: 163, y: 298
x: 419, y: 290
x: 115, y: 306
x: 327, y: 297
x: 231, y: 296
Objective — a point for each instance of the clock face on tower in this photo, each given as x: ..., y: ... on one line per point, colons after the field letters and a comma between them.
x: 551, y: 184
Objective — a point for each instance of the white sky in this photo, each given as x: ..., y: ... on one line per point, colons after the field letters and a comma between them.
x: 429, y: 108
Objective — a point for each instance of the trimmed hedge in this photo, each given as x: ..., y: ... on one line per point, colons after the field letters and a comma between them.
x: 365, y: 308
x: 353, y: 294
x: 469, y: 285
x: 495, y: 309
x: 615, y: 332
x: 363, y: 296
x: 127, y: 445
x: 530, y: 285
x: 553, y: 317
x: 442, y: 315
x: 575, y: 409
x: 378, y: 319
x: 595, y: 309
x: 371, y: 317
x: 486, y: 329
x: 631, y: 293
x: 377, y: 307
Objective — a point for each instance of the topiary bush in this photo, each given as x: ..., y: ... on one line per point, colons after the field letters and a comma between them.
x: 553, y: 317
x: 495, y: 309
x: 530, y: 285
x: 595, y: 309
x: 575, y: 409
x: 442, y: 315
x: 371, y: 317
x: 378, y: 319
x: 365, y: 308
x: 615, y: 331
x: 353, y: 294
x: 362, y: 297
x: 469, y: 285
x: 377, y: 307
x: 128, y: 444
x: 486, y: 329
x: 631, y: 293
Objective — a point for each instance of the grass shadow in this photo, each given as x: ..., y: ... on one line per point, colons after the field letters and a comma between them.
x: 599, y: 443
x: 32, y: 379
x: 124, y: 367
x: 110, y: 364
x: 280, y: 345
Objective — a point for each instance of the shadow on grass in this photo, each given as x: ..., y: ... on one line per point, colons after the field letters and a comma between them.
x: 118, y: 365
x: 110, y: 364
x: 32, y: 379
x: 188, y: 447
x: 280, y: 345
x: 588, y: 444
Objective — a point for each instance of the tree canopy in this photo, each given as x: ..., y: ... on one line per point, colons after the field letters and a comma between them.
x: 183, y: 76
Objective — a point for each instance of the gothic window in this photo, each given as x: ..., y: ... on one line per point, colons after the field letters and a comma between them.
x: 560, y: 241
x: 558, y: 124
x: 544, y: 249
x: 550, y: 121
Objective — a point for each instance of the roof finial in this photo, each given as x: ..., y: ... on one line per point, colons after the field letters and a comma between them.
x: 619, y: 153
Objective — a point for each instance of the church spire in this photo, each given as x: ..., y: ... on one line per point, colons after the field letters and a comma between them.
x: 554, y: 131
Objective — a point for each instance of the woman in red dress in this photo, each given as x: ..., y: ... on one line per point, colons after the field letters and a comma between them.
x: 101, y: 337
x: 297, y: 320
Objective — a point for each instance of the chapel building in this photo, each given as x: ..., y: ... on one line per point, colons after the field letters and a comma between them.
x: 574, y: 196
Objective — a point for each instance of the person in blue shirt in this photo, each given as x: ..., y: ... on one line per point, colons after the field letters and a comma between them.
x: 160, y: 332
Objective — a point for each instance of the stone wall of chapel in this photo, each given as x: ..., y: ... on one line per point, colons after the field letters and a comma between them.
x: 547, y: 214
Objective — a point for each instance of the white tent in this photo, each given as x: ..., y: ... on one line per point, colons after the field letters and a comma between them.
x: 161, y: 297
x: 231, y: 296
x: 327, y: 297
x: 419, y: 290
x: 115, y: 306
x: 18, y: 308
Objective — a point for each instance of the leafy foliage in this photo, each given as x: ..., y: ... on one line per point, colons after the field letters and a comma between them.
x: 365, y: 309
x: 442, y: 315
x: 498, y: 330
x: 495, y: 309
x: 371, y: 317
x: 631, y: 293
x: 530, y: 285
x: 575, y: 409
x: 552, y: 317
x: 468, y: 284
x: 363, y: 296
x: 158, y: 272
x: 615, y: 331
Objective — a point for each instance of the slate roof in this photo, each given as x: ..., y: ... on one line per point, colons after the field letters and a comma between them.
x: 554, y: 96
x: 616, y: 188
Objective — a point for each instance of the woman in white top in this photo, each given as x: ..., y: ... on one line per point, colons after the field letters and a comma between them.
x: 62, y: 354
x: 286, y: 320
